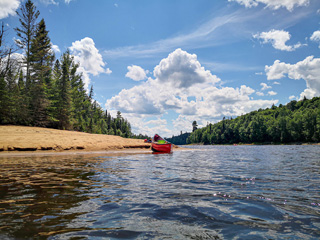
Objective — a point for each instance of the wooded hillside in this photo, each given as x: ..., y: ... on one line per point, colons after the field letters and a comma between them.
x: 298, y: 121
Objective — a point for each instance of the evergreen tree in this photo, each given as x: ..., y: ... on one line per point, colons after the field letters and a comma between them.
x: 48, y: 95
x: 56, y: 78
x: 22, y: 107
x: 12, y: 93
x: 41, y: 62
x: 28, y: 15
x: 79, y: 98
x: 194, y: 126
x: 4, y: 99
x: 64, y: 93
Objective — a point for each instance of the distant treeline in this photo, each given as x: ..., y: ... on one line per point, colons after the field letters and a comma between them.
x: 179, y: 140
x: 294, y: 122
x: 42, y: 91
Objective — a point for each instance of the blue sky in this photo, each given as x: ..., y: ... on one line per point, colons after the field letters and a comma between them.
x: 166, y: 63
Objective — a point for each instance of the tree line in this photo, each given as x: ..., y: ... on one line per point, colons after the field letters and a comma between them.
x: 180, y: 139
x: 296, y: 122
x: 40, y: 90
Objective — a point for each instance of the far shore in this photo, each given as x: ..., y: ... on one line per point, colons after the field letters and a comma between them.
x: 23, y: 140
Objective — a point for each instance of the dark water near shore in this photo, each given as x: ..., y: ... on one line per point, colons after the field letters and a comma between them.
x: 212, y: 192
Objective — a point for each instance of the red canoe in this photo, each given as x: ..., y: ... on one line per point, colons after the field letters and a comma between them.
x: 161, y: 148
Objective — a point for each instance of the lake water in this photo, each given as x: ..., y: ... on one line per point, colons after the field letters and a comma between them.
x: 211, y: 192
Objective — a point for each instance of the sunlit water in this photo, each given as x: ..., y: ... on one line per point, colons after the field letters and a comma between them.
x: 214, y: 192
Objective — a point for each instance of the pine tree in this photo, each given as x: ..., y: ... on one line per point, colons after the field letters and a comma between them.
x: 28, y: 15
x: 78, y: 97
x: 22, y: 107
x: 64, y: 93
x: 194, y: 126
x: 4, y: 99
x: 12, y: 93
x: 41, y: 62
x: 56, y: 77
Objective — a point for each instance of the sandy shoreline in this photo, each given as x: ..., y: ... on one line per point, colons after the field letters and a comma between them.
x: 23, y: 140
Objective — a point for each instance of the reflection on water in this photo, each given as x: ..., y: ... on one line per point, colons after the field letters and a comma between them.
x: 213, y: 192
x: 34, y: 192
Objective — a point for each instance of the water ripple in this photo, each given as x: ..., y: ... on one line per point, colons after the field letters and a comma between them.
x: 212, y: 192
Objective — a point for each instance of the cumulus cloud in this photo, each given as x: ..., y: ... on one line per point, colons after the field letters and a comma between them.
x: 273, y: 4
x: 16, y: 60
x: 315, y: 37
x: 278, y: 39
x: 308, y: 70
x: 8, y: 7
x: 181, y: 69
x: 55, y: 48
x: 89, y: 58
x: 272, y: 93
x: 264, y: 86
x: 183, y: 87
x: 136, y: 73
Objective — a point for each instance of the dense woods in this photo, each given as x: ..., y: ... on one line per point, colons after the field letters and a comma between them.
x: 40, y: 90
x: 298, y: 121
x: 180, y: 139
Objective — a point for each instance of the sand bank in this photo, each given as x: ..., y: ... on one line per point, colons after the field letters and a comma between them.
x: 31, y: 139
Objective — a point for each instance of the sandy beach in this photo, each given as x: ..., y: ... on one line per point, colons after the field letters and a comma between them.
x: 35, y: 139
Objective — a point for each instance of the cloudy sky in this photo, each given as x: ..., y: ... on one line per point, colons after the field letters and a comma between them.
x: 166, y: 63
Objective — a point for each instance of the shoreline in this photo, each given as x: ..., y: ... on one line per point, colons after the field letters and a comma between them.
x: 25, y: 140
x: 253, y: 144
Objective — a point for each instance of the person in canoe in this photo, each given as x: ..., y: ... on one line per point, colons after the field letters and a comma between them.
x: 160, y: 145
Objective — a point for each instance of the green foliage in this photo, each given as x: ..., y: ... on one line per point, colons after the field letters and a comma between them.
x: 179, y: 140
x: 295, y: 122
x: 194, y: 126
x: 28, y: 15
x: 50, y: 93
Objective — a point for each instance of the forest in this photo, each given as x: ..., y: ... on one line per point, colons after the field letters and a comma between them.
x: 180, y: 139
x: 40, y: 90
x: 296, y: 122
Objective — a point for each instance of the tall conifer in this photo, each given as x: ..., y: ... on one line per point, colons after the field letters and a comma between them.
x: 64, y: 92
x: 28, y: 15
x: 40, y: 62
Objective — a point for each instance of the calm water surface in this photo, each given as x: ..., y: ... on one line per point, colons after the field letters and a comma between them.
x: 212, y: 192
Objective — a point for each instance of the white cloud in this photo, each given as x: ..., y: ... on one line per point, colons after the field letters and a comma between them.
x: 67, y: 1
x: 272, y: 93
x: 16, y: 60
x: 136, y: 73
x: 264, y: 86
x: 182, y: 86
x: 181, y: 69
x: 260, y: 93
x: 48, y: 2
x: 55, y: 48
x: 308, y: 69
x: 89, y: 58
x: 315, y: 37
x: 292, y: 97
x: 278, y: 39
x: 8, y: 7
x: 219, y: 30
x: 273, y: 4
